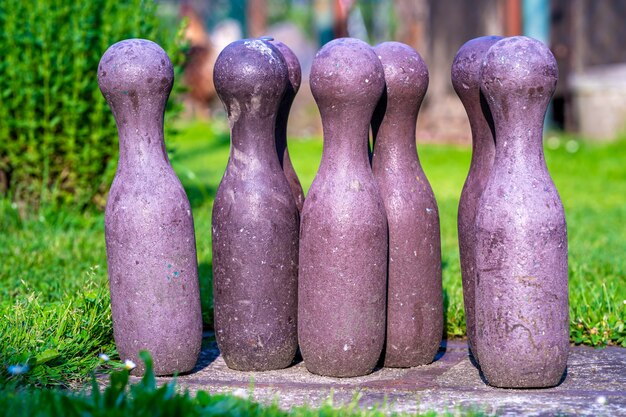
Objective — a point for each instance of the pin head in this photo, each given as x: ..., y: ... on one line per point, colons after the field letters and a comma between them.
x: 250, y: 77
x: 518, y: 76
x: 467, y: 65
x: 293, y: 65
x: 406, y: 74
x: 135, y: 75
x: 346, y: 71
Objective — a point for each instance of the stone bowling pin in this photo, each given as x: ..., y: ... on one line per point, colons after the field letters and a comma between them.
x: 150, y: 241
x: 295, y: 79
x: 466, y: 83
x: 521, y: 295
x: 343, y: 245
x: 414, y: 289
x: 255, y: 218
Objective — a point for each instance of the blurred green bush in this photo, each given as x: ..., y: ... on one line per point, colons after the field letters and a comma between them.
x: 58, y: 141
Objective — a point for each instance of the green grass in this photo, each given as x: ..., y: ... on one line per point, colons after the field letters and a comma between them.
x: 54, y: 305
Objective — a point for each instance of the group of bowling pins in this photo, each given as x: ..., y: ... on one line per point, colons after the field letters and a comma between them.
x: 359, y: 263
x: 352, y: 275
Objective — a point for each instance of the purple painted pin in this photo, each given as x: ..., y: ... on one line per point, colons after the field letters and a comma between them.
x: 414, y: 291
x: 255, y: 217
x: 343, y: 246
x: 466, y: 82
x: 295, y: 79
x: 150, y: 241
x: 522, y: 322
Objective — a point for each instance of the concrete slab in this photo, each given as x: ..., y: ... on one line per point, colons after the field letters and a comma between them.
x: 595, y: 385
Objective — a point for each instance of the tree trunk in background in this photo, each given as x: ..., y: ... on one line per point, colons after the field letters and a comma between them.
x: 448, y: 24
x: 342, y: 10
x: 413, y: 17
x: 257, y: 18
x: 512, y: 18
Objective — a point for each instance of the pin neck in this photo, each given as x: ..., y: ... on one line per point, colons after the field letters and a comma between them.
x: 255, y: 139
x: 281, y: 125
x: 345, y: 140
x: 394, y: 137
x: 518, y: 122
x: 520, y: 148
x: 483, y: 144
x: 141, y: 142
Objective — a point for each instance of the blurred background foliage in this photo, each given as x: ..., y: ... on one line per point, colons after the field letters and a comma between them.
x: 58, y: 141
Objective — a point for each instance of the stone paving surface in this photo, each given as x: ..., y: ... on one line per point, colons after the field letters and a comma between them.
x: 595, y: 385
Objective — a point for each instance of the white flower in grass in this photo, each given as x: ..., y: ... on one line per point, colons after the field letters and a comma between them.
x: 601, y: 400
x: 128, y: 364
x: 104, y: 357
x: 17, y: 369
x: 241, y: 393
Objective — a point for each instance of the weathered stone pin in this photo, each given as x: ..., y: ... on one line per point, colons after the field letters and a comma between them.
x: 255, y: 218
x: 466, y: 82
x: 295, y: 78
x: 343, y: 247
x: 522, y: 323
x: 151, y: 248
x: 414, y: 290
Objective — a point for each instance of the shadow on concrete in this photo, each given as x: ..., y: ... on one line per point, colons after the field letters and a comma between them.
x: 208, y: 354
x: 443, y: 348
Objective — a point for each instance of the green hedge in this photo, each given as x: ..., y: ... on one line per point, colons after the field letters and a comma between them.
x: 58, y: 141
